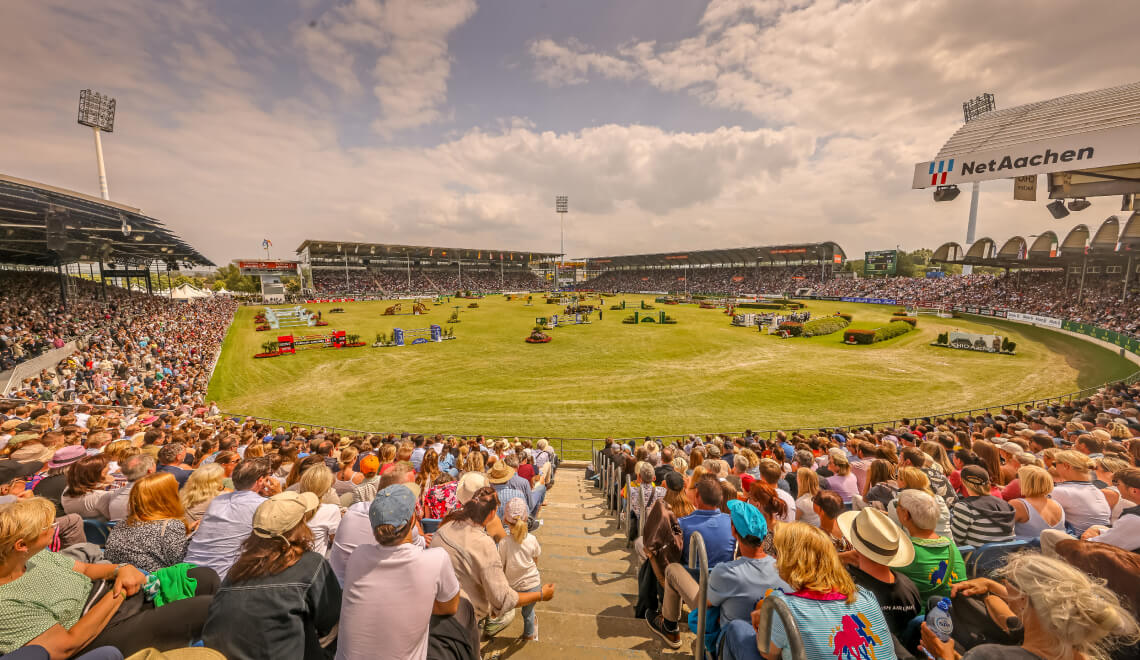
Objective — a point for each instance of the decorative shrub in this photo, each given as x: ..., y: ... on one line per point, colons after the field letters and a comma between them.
x: 905, y: 319
x: 1007, y: 346
x: 858, y: 336
x: 454, y: 318
x: 262, y: 328
x: 473, y: 306
x: 944, y: 338
x: 824, y: 325
x: 793, y: 328
x: 892, y: 330
x: 844, y: 315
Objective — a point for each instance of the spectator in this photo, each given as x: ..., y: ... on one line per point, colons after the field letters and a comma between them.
x: 881, y: 487
x: 706, y: 518
x: 206, y: 483
x: 980, y: 518
x: 323, y: 522
x: 155, y: 532
x: 912, y: 478
x: 369, y: 484
x: 134, y: 467
x: 346, y: 477
x: 827, y: 506
x: 1125, y: 532
x: 807, y: 485
x: 1035, y: 511
x: 880, y: 548
x: 228, y: 520
x: 771, y: 472
x: 280, y: 599
x: 170, y: 459
x: 937, y: 563
x: 89, y: 488
x: 519, y: 552
x: 1082, y: 501
x: 842, y: 481
x: 43, y: 595
x: 478, y: 567
x: 1067, y: 616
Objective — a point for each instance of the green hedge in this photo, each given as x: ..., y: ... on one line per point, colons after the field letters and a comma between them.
x: 905, y: 319
x: 859, y: 336
x: 793, y: 328
x: 825, y: 325
x: 845, y: 316
x: 889, y: 331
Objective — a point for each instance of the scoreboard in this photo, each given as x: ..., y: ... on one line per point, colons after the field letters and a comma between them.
x: 881, y: 262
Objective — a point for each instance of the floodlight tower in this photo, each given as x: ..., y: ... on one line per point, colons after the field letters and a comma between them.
x: 98, y: 111
x: 971, y: 110
x: 561, y: 206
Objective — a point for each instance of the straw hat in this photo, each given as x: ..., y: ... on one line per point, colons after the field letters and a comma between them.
x: 500, y: 473
x: 876, y: 537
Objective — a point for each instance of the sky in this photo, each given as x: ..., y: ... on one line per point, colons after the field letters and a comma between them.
x: 670, y: 124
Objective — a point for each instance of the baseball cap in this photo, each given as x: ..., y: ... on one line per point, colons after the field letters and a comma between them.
x: 976, y: 475
x: 370, y: 464
x: 283, y: 512
x: 395, y: 506
x: 747, y: 519
x: 674, y: 481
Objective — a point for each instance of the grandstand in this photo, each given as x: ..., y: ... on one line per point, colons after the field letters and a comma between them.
x: 382, y: 269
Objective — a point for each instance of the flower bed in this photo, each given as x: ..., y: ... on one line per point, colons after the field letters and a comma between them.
x: 905, y: 319
x: 857, y: 336
x: 263, y: 328
x: 321, y: 323
x: 266, y: 355
x: 355, y: 344
x: 793, y: 328
x: 889, y: 331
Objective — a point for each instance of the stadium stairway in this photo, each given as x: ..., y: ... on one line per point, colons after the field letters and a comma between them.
x: 584, y: 554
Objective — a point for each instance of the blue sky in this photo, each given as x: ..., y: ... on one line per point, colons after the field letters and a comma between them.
x: 670, y: 123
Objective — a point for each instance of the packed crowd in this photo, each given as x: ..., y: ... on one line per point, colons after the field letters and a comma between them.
x: 729, y: 280
x: 260, y: 542
x: 396, y: 281
x: 863, y: 535
x: 1101, y: 303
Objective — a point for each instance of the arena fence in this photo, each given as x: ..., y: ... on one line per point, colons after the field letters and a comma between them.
x: 582, y: 448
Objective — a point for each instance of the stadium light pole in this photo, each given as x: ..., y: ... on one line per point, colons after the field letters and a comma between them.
x: 98, y: 111
x: 561, y: 206
x: 971, y: 110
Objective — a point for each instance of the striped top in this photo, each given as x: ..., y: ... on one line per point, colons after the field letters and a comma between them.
x: 981, y: 519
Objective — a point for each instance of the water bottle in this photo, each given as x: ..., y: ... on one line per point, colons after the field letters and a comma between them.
x: 939, y: 621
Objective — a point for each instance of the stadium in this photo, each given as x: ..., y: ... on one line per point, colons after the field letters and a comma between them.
x: 357, y: 449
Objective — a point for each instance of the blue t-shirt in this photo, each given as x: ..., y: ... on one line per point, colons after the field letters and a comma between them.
x: 834, y: 630
x: 736, y: 586
x: 716, y: 530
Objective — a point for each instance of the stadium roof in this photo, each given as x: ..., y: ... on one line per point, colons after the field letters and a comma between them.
x: 1114, y: 241
x: 321, y: 248
x: 773, y: 253
x: 1087, y: 143
x: 92, y: 228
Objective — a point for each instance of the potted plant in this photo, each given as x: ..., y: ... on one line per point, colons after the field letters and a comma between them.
x: 268, y: 349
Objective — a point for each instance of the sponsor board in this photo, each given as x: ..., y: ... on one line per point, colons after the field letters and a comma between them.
x: 1130, y: 344
x: 1046, y: 321
x: 871, y: 301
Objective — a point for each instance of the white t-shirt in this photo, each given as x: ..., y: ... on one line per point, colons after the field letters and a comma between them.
x: 388, y: 596
x: 790, y: 515
x: 807, y: 511
x: 518, y: 562
x: 324, y: 524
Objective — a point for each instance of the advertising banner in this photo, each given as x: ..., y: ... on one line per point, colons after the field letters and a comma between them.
x: 1127, y: 343
x: 1046, y: 321
x: 871, y: 301
x: 975, y: 342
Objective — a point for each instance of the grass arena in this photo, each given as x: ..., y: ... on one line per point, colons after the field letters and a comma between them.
x: 610, y: 378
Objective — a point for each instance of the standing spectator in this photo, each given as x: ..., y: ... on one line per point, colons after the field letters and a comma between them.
x: 228, y: 520
x: 280, y: 599
x: 519, y: 552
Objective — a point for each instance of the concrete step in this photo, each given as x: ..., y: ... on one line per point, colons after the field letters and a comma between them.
x: 583, y: 636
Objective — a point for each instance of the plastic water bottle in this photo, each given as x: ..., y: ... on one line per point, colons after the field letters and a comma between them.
x: 939, y: 621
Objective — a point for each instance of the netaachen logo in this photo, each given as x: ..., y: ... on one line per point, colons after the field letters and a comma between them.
x: 1011, y: 163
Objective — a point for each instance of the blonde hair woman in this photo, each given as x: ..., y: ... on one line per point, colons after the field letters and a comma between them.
x: 1067, y: 615
x: 825, y: 603
x: 318, y: 480
x: 1035, y: 511
x: 807, y: 485
x: 1084, y: 504
x: 204, y: 484
x: 474, y: 462
x: 913, y: 478
x: 347, y: 478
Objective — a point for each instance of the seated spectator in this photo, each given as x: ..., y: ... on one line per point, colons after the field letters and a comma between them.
x: 412, y: 589
x: 772, y: 473
x: 1082, y: 501
x: 478, y: 567
x: 228, y: 520
x: 912, y: 478
x: 831, y: 612
x: 733, y: 586
x: 439, y: 500
x: 807, y: 486
x: 53, y: 478
x: 1125, y: 532
x: 323, y: 523
x: 765, y: 497
x: 937, y: 563
x: 170, y: 459
x: 880, y: 548
x: 715, y: 527
x: 642, y: 494
x: 369, y: 484
x: 133, y: 467
x: 1035, y: 511
x: 1066, y: 615
x: 661, y: 542
x: 346, y: 477
x: 880, y: 485
x: 44, y: 595
x: 827, y: 506
x: 155, y: 533
x: 89, y: 488
x: 206, y: 483
x: 503, y: 475
x: 280, y: 599
x: 980, y: 518
x: 842, y: 480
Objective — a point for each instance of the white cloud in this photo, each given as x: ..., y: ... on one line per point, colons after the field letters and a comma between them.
x: 570, y: 64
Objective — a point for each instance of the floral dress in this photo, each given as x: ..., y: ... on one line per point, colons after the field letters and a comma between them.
x: 440, y: 500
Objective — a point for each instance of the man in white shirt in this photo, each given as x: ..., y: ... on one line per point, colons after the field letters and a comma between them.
x: 398, y: 583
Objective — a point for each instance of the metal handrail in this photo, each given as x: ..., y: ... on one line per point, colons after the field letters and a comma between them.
x: 791, y: 630
x: 699, y: 560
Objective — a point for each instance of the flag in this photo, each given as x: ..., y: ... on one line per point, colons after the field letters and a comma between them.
x: 266, y: 243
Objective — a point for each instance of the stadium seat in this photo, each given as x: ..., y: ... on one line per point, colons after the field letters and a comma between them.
x: 430, y: 524
x: 97, y: 531
x: 985, y: 559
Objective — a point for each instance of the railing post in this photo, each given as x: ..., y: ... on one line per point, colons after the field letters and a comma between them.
x: 699, y: 560
x: 791, y: 630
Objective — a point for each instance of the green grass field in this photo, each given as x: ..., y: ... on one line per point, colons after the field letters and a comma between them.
x: 613, y: 379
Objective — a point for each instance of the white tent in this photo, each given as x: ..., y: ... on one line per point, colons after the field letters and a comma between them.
x: 187, y: 292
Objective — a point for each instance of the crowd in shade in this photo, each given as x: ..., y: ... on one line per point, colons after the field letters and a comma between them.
x: 737, y: 281
x: 394, y: 281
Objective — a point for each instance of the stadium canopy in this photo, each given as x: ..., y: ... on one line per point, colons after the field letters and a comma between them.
x: 338, y: 250
x: 1087, y: 144
x: 42, y: 225
x: 1109, y: 244
x: 827, y: 252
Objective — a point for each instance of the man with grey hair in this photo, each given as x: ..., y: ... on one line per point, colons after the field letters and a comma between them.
x: 134, y: 468
x: 937, y: 563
